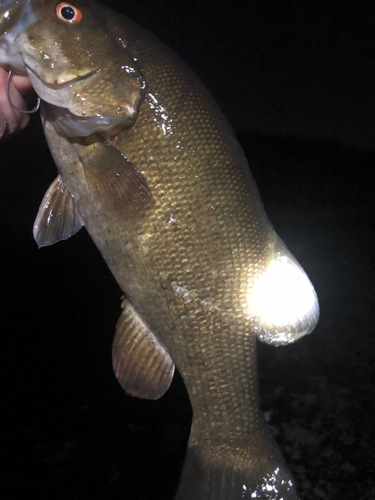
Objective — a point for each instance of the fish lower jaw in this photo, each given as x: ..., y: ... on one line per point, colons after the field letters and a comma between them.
x: 10, y: 57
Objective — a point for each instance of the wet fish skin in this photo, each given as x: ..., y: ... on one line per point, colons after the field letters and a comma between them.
x: 165, y: 192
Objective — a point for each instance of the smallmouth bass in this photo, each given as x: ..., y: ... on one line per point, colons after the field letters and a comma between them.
x: 148, y: 164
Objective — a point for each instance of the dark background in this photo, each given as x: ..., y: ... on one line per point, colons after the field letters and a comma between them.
x: 296, y: 80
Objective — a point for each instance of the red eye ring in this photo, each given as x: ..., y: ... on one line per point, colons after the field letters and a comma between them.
x: 68, y: 13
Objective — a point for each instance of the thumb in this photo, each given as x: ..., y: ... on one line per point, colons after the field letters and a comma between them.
x: 12, y: 120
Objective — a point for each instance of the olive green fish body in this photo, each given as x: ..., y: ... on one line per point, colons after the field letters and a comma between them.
x: 165, y: 192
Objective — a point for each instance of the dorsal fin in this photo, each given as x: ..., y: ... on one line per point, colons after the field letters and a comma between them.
x: 142, y: 365
x: 58, y: 217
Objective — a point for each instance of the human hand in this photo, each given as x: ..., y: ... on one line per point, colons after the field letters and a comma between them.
x: 12, y: 120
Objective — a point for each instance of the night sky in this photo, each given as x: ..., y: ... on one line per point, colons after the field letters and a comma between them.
x: 296, y: 81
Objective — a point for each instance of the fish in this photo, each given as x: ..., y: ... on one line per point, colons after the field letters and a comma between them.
x: 149, y: 165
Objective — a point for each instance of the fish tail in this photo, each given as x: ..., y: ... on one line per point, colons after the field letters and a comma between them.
x: 265, y: 478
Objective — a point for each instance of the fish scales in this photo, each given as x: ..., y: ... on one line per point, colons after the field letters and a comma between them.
x: 218, y: 234
x: 154, y: 172
x: 206, y: 255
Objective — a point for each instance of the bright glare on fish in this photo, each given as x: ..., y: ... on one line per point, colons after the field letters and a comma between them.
x: 282, y: 297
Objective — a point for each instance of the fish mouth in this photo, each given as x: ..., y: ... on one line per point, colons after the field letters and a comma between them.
x: 71, y: 113
x: 33, y: 65
x: 58, y: 85
x: 56, y: 93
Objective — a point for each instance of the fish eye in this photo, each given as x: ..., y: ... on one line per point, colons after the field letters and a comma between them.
x: 68, y: 13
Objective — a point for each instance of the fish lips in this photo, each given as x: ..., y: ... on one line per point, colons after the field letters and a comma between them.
x: 61, y: 113
x: 58, y: 94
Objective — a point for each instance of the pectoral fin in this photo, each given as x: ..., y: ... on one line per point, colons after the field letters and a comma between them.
x: 115, y: 181
x: 142, y: 365
x: 284, y: 300
x: 58, y: 217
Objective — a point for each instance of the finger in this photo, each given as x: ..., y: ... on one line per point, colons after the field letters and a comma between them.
x: 11, y: 120
x: 22, y: 83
